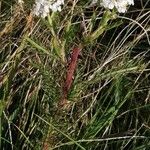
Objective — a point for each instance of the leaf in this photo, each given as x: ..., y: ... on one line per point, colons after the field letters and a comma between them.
x: 38, y: 46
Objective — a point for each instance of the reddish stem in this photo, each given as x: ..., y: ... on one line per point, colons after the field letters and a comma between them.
x: 70, y: 73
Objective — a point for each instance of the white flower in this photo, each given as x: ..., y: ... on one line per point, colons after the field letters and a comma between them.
x: 43, y: 7
x: 20, y: 1
x: 120, y: 5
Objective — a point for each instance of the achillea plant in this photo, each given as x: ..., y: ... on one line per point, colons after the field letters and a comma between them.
x: 42, y: 9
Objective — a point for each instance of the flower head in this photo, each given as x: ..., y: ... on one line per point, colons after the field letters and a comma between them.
x: 120, y: 5
x: 43, y: 7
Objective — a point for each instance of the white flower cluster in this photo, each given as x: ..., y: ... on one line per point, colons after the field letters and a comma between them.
x: 43, y: 7
x: 120, y: 5
x: 20, y: 1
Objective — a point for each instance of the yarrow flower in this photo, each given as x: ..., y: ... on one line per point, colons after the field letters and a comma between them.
x: 43, y: 7
x: 20, y: 1
x: 120, y: 5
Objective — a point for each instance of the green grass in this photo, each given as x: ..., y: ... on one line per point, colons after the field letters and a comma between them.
x: 109, y: 103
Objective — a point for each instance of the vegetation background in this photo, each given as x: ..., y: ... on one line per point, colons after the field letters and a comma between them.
x: 109, y: 100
